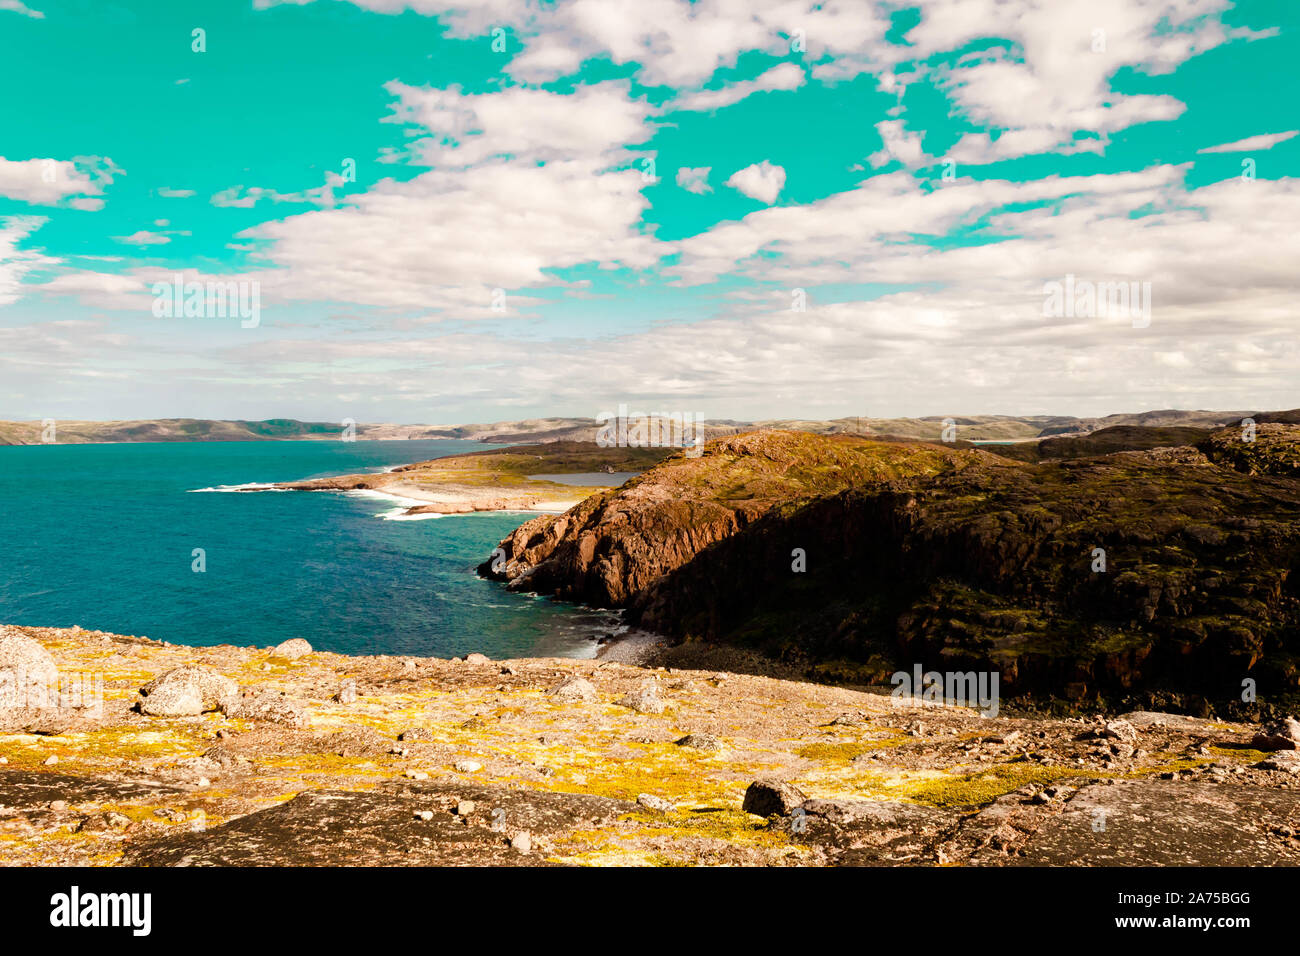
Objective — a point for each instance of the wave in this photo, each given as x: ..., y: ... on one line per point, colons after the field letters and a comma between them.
x: 402, y: 505
x: 399, y: 514
x: 247, y: 486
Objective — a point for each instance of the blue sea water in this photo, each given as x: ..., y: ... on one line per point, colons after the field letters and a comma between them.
x: 103, y: 536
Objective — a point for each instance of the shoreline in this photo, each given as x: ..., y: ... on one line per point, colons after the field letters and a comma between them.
x: 448, y: 498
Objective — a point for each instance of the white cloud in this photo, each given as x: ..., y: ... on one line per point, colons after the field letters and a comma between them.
x: 898, y: 144
x: 16, y: 263
x: 598, y: 122
x: 1055, y: 78
x: 17, y: 7
x: 144, y: 238
x: 846, y: 236
x: 47, y: 182
x: 1051, y: 79
x: 118, y: 292
x: 525, y: 182
x: 1252, y: 143
x: 783, y: 76
x: 168, y: 193
x: 246, y: 197
x: 465, y: 19
x: 695, y: 180
x: 762, y: 181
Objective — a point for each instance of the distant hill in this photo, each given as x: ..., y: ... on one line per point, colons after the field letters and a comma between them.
x: 978, y: 428
x: 165, y: 429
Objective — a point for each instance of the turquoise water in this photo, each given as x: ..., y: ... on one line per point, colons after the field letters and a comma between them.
x: 102, y: 536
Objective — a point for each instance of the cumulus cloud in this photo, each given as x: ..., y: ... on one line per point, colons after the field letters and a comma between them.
x: 762, y: 181
x: 600, y: 123
x: 525, y: 182
x: 49, y: 182
x: 1049, y: 78
x: 898, y: 144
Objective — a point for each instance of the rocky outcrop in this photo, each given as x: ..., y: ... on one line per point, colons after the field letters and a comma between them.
x: 29, y: 678
x: 292, y: 649
x: 186, y: 691
x: 613, y: 546
x: 1163, y: 570
x: 772, y: 772
x: 1273, y: 449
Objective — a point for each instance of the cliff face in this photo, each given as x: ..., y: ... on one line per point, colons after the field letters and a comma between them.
x: 613, y: 546
x: 957, y: 559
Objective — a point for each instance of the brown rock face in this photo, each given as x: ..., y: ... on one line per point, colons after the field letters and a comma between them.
x: 1167, y: 569
x: 614, y: 545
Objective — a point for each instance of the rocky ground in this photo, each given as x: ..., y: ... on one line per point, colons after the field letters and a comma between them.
x: 292, y: 756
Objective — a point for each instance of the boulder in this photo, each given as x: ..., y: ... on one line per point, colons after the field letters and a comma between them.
x: 644, y: 699
x: 1281, y: 734
x: 347, y: 691
x: 28, y: 677
x: 292, y: 649
x: 187, y: 691
x: 772, y: 797
x: 1119, y: 730
x: 573, y: 687
x: 1285, y: 761
x: 267, y: 705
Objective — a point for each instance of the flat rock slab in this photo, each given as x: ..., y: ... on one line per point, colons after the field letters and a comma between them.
x: 1147, y: 719
x: 874, y: 833
x: 380, y: 828
x: 1164, y: 823
x: 28, y: 790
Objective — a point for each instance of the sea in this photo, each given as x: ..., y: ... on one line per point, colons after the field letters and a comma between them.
x: 156, y: 539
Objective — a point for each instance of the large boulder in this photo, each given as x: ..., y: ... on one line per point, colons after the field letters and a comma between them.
x: 574, y: 687
x: 772, y: 797
x: 28, y: 677
x: 292, y: 649
x: 1281, y: 734
x: 271, y: 707
x: 644, y: 699
x: 187, y: 691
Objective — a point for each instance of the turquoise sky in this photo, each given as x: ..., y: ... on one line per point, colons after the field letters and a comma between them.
x: 647, y: 189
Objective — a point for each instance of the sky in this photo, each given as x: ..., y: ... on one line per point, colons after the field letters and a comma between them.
x: 741, y: 209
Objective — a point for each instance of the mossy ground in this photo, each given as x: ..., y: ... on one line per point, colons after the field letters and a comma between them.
x: 527, y: 740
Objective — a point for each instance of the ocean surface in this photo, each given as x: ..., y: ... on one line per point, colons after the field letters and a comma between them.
x: 103, y: 536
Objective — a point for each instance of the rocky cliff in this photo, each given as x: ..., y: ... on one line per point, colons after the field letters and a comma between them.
x: 1165, y: 571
